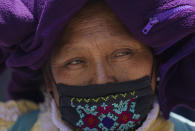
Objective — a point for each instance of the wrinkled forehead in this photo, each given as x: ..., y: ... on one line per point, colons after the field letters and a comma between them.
x: 94, y: 16
x: 94, y: 19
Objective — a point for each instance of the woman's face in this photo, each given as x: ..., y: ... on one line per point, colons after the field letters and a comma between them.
x: 97, y: 49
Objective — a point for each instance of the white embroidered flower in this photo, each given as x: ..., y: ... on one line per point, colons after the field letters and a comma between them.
x: 9, y: 113
x: 3, y: 130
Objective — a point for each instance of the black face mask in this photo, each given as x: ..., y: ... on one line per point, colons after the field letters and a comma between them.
x: 113, y: 106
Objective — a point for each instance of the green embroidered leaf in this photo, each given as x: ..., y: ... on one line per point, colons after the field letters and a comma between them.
x: 114, y: 96
x: 86, y: 100
x: 96, y: 100
x: 132, y: 93
x: 79, y: 99
x: 123, y: 94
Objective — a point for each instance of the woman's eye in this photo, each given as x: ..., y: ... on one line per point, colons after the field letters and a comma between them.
x: 75, y: 62
x: 122, y: 53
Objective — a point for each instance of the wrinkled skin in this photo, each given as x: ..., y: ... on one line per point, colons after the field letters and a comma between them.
x: 96, y: 48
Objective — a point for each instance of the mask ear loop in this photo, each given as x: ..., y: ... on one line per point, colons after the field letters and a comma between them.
x: 153, y: 70
x: 153, y: 66
x: 48, y: 66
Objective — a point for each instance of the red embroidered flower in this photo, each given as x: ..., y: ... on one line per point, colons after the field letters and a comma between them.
x: 90, y: 121
x: 124, y: 117
x: 104, y: 110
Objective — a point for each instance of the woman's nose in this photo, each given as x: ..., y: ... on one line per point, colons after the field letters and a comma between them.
x: 103, y: 74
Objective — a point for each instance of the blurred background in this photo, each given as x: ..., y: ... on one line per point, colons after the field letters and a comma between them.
x: 4, y: 80
x: 6, y: 76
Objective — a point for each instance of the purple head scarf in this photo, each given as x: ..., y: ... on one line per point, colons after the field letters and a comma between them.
x: 29, y: 30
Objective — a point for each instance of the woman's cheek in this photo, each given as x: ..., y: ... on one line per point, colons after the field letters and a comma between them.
x: 132, y: 69
x: 70, y: 77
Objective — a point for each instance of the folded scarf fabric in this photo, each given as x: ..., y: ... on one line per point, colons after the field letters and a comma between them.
x: 29, y: 30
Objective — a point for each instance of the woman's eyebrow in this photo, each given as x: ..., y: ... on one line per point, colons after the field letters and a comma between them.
x: 127, y: 44
x: 70, y: 49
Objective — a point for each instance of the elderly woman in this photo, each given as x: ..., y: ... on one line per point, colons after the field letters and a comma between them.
x: 98, y: 75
